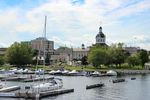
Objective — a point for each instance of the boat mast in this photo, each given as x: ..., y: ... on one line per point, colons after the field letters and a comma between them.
x: 44, y: 41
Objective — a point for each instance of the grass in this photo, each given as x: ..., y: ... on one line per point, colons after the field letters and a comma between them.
x: 78, y: 68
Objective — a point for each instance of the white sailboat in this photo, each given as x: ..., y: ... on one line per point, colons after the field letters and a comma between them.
x: 53, y: 84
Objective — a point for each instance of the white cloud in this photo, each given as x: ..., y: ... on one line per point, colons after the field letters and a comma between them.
x: 70, y: 24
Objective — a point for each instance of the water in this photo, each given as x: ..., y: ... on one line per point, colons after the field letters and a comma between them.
x: 130, y: 90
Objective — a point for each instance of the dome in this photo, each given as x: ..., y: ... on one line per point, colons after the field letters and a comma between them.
x: 100, y: 35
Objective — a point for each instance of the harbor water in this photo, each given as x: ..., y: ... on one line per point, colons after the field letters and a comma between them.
x: 137, y: 89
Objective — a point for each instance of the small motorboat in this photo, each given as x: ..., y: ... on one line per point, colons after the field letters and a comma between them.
x: 53, y: 84
x: 96, y: 74
x: 111, y: 73
x: 52, y: 72
x: 39, y: 71
x: 58, y: 72
x: 73, y: 73
x: 19, y: 71
x: 65, y: 72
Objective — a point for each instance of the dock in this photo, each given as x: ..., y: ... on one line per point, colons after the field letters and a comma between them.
x: 133, y: 78
x: 94, y: 86
x: 13, y: 79
x: 132, y: 72
x: 37, y: 79
x: 9, y: 89
x: 33, y: 95
x: 118, y: 80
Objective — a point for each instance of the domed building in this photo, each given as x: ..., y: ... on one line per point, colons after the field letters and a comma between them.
x: 100, y: 37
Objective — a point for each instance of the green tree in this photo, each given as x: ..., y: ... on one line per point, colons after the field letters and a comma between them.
x: 2, y: 61
x: 84, y: 60
x: 19, y: 54
x: 116, y: 54
x: 143, y: 55
x: 133, y: 60
x: 97, y: 56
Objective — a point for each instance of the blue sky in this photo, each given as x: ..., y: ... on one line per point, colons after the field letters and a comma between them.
x: 73, y: 22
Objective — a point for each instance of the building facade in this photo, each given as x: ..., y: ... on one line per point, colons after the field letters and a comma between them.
x: 132, y: 50
x: 69, y: 55
x: 44, y: 48
x: 3, y: 51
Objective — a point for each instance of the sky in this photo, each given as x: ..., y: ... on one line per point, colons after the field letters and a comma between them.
x: 73, y: 22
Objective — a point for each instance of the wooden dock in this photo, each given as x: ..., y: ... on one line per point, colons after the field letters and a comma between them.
x: 132, y: 72
x: 133, y: 78
x: 94, y: 86
x: 33, y: 95
x: 118, y: 80
x: 9, y: 89
x: 37, y: 79
x: 13, y: 79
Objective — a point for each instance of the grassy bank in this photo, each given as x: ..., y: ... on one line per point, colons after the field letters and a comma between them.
x: 86, y: 68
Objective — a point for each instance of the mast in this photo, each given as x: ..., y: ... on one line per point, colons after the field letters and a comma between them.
x: 44, y: 41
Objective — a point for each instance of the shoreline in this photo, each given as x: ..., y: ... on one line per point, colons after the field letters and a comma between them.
x: 132, y: 72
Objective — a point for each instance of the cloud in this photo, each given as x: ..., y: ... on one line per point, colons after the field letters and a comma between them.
x: 71, y: 22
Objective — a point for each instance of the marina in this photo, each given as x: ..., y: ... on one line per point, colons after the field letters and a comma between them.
x: 75, y: 87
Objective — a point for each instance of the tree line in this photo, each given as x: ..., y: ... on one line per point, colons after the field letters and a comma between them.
x: 20, y: 54
x: 115, y: 55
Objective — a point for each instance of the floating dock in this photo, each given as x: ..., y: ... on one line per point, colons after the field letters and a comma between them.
x: 118, y: 80
x: 33, y: 95
x: 94, y: 86
x: 133, y: 78
x: 13, y: 79
x: 37, y: 79
x: 9, y: 89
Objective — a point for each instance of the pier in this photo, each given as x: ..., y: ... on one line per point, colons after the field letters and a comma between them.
x: 33, y: 95
x: 13, y: 79
x: 9, y: 89
x: 94, y: 86
x: 118, y: 80
x: 37, y: 79
x: 133, y: 78
x: 132, y: 72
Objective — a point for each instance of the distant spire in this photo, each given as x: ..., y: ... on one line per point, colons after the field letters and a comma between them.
x: 100, y: 28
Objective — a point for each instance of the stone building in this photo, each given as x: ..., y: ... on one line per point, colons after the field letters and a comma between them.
x: 69, y: 55
x: 132, y: 50
x: 62, y: 54
x: 79, y: 53
x: 44, y: 47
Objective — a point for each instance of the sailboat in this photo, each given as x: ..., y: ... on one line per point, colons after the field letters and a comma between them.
x: 53, y: 84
